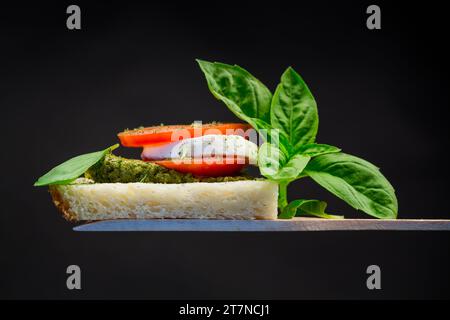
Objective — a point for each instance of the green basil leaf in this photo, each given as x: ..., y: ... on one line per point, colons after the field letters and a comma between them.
x: 315, y: 149
x: 243, y: 94
x: 275, y: 165
x: 294, y: 110
x: 273, y: 136
x: 356, y: 181
x: 70, y: 170
x: 306, y: 207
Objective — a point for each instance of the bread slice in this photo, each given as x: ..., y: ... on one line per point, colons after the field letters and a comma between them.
x: 249, y: 199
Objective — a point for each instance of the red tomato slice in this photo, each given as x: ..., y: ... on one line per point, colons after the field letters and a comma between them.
x: 164, y: 134
x: 206, y: 168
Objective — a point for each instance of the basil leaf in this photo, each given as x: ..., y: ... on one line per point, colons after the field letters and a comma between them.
x: 243, y: 94
x: 274, y: 136
x: 70, y: 170
x: 315, y: 149
x: 294, y: 110
x: 356, y: 181
x: 306, y: 207
x: 275, y: 165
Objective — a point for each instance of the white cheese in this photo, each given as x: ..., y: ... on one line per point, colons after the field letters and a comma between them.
x: 213, y: 145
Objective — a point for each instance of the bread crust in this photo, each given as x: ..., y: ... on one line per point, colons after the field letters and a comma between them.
x: 62, y: 205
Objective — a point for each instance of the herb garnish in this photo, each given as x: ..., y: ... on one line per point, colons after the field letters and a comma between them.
x: 292, y: 112
x: 73, y: 168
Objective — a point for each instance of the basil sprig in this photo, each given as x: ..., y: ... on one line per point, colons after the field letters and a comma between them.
x: 290, y: 116
x: 68, y: 171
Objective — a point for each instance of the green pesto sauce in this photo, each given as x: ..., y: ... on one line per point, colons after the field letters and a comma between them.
x: 112, y: 169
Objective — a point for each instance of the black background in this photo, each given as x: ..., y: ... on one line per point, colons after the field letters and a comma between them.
x: 382, y: 95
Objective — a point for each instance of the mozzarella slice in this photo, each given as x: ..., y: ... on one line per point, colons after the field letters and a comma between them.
x: 213, y: 145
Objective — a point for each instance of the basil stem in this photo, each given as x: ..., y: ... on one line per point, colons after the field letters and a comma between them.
x: 282, y: 195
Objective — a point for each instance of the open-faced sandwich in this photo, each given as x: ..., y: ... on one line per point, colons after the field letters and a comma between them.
x: 199, y: 170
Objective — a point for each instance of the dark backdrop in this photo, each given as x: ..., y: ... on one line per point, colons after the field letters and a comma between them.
x: 382, y: 95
